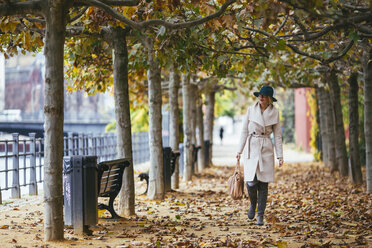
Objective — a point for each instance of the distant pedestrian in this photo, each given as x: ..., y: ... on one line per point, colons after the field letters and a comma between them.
x: 260, y: 121
x: 221, y: 134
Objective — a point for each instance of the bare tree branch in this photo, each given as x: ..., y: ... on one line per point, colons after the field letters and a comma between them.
x: 341, y: 54
x: 121, y: 2
x: 298, y: 51
x: 35, y: 20
x: 313, y: 56
x: 258, y: 31
x: 224, y: 51
x: 20, y: 8
x: 365, y: 29
x: 148, y: 23
x: 78, y: 15
x: 365, y: 35
x: 353, y: 7
x: 302, y: 27
x: 79, y: 31
x: 260, y: 49
x: 294, y: 85
x: 281, y: 25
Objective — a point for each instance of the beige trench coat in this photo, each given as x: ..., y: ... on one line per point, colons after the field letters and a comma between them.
x: 258, y: 157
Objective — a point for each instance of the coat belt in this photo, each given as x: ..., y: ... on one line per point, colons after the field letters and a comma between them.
x: 261, y: 140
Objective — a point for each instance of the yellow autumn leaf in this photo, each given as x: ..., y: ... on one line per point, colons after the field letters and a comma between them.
x: 129, y: 11
x: 101, y: 213
x: 69, y: 88
x: 12, y: 26
x: 207, y: 8
x: 39, y: 25
x: 27, y: 40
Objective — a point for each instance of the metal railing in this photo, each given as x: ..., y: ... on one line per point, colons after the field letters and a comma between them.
x: 22, y: 160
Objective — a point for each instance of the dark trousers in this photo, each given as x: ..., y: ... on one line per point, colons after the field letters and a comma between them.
x: 257, y: 191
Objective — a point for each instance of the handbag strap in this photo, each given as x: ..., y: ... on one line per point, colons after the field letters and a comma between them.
x: 237, y: 167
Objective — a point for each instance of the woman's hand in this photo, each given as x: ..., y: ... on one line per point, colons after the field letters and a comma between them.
x: 281, y: 162
x: 238, y: 156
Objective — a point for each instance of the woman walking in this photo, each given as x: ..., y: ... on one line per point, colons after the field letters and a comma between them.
x: 260, y: 121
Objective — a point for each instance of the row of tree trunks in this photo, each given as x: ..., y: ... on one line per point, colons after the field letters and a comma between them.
x: 320, y: 92
x: 117, y: 38
x: 54, y: 116
x: 156, y: 182
x: 200, y: 127
x: 332, y: 132
x: 56, y: 13
x: 174, y: 84
x: 327, y: 129
x: 355, y: 172
x: 193, y: 100
x: 341, y: 154
x: 330, y: 122
x: 209, y: 122
x: 187, y: 128
x: 368, y: 116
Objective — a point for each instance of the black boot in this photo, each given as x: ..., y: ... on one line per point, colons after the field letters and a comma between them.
x: 262, y: 198
x: 252, y: 191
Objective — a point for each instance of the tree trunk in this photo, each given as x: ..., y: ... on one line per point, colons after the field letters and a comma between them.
x: 368, y: 117
x: 187, y: 131
x: 323, y: 125
x: 156, y: 183
x: 123, y: 123
x: 53, y: 126
x: 341, y: 154
x: 355, y: 172
x: 174, y: 84
x: 330, y: 130
x: 200, y: 126
x: 209, y: 122
x: 193, y: 99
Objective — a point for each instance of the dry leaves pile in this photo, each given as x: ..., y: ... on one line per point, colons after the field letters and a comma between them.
x: 307, y: 207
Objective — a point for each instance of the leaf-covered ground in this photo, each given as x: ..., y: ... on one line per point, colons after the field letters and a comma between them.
x: 307, y: 207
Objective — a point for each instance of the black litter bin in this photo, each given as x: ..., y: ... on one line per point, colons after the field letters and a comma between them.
x: 206, y: 152
x: 195, y: 150
x: 167, y: 170
x: 80, y: 192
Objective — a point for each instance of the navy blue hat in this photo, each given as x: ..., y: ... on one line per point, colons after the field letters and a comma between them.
x: 266, y: 91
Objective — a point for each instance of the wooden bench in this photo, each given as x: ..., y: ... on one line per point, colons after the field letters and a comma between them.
x: 110, y: 178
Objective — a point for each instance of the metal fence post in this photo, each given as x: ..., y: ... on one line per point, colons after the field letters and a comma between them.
x: 33, y: 183
x: 16, y: 192
x: 101, y: 151
x: 1, y: 198
x: 90, y: 149
x: 95, y: 145
x: 80, y: 144
x: 114, y: 146
x: 105, y: 144
x: 70, y: 144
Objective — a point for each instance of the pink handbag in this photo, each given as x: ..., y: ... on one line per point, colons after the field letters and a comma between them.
x: 236, y: 183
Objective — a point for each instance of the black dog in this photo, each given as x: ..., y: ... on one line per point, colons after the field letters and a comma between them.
x: 145, y: 176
